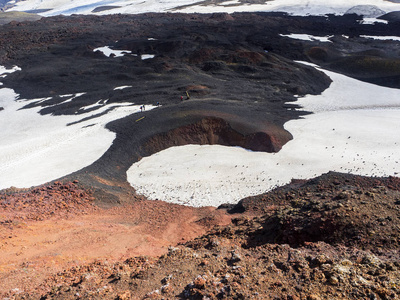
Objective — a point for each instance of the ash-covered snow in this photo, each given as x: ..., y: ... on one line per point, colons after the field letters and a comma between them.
x: 354, y: 129
x: 368, y: 11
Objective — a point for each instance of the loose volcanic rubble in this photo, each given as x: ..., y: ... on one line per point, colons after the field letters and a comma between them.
x: 43, y: 202
x: 281, y: 246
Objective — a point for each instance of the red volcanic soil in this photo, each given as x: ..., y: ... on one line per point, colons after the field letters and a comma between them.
x: 52, y: 228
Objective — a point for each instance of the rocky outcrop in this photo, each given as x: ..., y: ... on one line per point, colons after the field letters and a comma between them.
x: 335, y: 208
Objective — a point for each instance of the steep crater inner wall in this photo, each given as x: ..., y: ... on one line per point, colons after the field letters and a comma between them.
x: 212, y: 131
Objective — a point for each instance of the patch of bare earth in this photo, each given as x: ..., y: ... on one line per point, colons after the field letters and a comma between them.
x: 52, y: 228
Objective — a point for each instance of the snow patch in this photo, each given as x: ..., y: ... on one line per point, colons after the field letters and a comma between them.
x: 147, y: 56
x: 384, y: 38
x: 371, y: 21
x: 232, y: 2
x: 308, y: 37
x: 122, y: 87
x: 107, y: 51
x: 4, y: 70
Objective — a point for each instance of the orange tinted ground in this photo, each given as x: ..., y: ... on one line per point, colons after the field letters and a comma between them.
x: 31, y: 250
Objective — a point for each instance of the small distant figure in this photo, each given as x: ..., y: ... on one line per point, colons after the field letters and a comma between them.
x: 187, y: 95
x: 181, y: 98
x: 158, y: 103
x: 141, y: 108
x: 144, y: 108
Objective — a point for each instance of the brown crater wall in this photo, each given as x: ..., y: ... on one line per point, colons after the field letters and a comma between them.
x: 211, y: 131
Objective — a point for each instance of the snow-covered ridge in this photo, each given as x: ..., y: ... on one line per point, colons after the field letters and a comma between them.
x: 354, y: 129
x: 369, y: 8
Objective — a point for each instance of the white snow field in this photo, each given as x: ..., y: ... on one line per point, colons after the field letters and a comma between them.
x: 354, y: 128
x: 369, y: 8
x: 35, y: 149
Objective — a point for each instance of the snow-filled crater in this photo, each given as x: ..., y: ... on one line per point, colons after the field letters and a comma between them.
x: 354, y: 129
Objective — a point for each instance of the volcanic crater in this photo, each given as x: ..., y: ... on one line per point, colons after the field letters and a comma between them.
x: 215, y: 79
